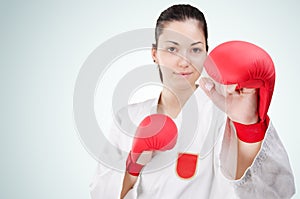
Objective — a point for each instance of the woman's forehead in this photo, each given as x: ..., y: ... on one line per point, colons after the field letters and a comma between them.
x: 171, y: 37
x: 188, y: 31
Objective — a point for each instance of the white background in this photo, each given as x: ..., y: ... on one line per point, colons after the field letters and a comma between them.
x: 43, y: 45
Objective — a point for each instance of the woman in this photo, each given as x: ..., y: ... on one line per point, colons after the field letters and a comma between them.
x: 219, y: 164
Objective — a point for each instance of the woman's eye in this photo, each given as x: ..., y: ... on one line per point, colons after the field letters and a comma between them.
x: 196, y: 50
x: 171, y: 49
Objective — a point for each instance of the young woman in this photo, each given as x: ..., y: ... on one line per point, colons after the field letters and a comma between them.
x: 216, y: 163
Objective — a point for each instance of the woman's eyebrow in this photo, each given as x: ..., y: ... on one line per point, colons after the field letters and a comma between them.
x: 173, y: 42
x: 176, y: 43
x: 199, y: 42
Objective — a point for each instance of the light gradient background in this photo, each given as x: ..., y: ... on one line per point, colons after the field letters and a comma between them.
x: 43, y: 45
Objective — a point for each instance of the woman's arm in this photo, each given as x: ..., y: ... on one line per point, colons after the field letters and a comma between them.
x: 246, y: 154
x: 269, y: 175
x: 241, y: 107
x: 128, y: 183
x: 256, y: 169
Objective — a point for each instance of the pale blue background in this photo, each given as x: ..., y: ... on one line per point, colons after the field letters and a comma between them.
x: 43, y: 45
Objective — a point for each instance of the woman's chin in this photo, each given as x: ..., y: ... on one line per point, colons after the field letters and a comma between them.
x: 182, y: 85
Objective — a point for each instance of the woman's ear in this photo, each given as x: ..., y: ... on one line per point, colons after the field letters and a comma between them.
x: 154, y: 53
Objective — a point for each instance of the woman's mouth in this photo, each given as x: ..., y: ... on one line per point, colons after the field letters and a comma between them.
x: 184, y: 74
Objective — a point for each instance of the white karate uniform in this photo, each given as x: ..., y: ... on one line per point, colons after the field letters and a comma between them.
x: 210, y: 156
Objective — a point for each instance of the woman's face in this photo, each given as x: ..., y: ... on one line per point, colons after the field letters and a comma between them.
x: 180, y: 53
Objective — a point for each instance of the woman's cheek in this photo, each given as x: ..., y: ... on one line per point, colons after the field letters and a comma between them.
x: 198, y: 66
x: 167, y: 59
x: 199, y: 61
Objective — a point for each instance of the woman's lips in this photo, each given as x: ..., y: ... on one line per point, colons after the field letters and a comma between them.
x: 184, y: 74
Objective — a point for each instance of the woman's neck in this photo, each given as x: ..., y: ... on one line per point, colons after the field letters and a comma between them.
x: 172, y: 101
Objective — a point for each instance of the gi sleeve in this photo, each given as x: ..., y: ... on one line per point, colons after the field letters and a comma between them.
x: 269, y: 176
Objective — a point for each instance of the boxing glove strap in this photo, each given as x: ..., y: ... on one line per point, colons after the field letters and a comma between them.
x: 132, y: 167
x: 252, y: 133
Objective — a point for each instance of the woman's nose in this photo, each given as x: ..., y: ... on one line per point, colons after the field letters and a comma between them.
x: 183, y: 61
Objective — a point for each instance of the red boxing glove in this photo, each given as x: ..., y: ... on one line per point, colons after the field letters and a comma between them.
x: 248, y: 66
x: 156, y: 132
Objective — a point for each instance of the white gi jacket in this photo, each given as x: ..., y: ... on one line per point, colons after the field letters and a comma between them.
x: 207, y: 165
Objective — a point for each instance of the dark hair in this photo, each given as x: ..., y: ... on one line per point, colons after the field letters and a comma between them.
x: 180, y: 12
